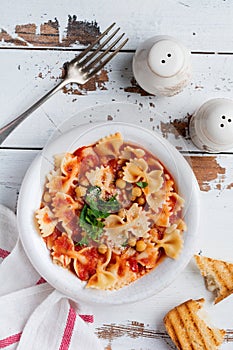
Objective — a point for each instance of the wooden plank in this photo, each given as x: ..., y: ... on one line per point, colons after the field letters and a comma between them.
x: 26, y: 77
x: 14, y: 165
x: 208, y: 24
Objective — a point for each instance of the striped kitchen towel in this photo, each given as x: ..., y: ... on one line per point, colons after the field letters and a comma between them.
x: 33, y: 315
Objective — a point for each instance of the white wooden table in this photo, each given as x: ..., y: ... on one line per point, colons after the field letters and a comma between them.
x: 37, y: 37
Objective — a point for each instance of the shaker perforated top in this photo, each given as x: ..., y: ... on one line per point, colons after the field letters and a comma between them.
x: 211, y: 127
x: 166, y: 58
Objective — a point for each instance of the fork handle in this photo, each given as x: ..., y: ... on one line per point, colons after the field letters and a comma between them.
x: 8, y: 128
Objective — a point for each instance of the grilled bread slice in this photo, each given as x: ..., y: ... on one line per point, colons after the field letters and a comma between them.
x: 188, y: 331
x: 218, y: 276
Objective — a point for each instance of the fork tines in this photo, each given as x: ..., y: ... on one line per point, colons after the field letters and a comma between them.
x: 88, y: 63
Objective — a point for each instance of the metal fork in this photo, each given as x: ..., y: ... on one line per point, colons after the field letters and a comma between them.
x: 79, y: 70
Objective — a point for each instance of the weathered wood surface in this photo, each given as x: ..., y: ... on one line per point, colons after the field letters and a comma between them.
x: 34, y: 44
x: 29, y: 75
x: 202, y: 25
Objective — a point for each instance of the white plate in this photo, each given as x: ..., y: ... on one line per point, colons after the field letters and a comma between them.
x: 31, y: 193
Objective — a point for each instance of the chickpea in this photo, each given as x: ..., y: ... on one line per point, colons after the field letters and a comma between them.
x: 102, y: 249
x: 140, y: 245
x: 47, y: 197
x: 80, y: 191
x: 132, y: 242
x: 141, y: 200
x: 136, y: 191
x: 120, y: 183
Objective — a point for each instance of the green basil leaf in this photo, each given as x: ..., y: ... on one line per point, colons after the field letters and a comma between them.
x: 89, y: 223
x: 99, y: 205
x: 94, y: 211
x: 142, y: 184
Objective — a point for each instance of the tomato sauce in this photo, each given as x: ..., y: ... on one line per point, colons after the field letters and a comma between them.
x: 133, y: 264
x: 85, y: 271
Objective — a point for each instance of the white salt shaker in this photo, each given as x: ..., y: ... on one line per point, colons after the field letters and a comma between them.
x: 161, y: 66
x: 211, y: 126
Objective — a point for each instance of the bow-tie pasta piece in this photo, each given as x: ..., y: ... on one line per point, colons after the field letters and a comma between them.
x: 172, y: 242
x: 135, y: 223
x: 124, y: 269
x: 46, y: 220
x: 149, y: 256
x: 102, y: 177
x: 129, y: 152
x: 137, y: 170
x: 157, y: 200
x: 64, y: 207
x: 64, y: 177
x: 109, y: 145
x: 102, y: 279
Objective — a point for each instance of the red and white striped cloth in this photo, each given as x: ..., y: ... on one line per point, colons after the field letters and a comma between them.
x: 33, y: 315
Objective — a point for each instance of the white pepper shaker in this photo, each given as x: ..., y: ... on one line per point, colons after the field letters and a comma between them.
x: 161, y: 66
x: 211, y: 126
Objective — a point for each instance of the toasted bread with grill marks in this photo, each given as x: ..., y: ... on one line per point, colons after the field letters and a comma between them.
x: 188, y: 331
x: 218, y: 276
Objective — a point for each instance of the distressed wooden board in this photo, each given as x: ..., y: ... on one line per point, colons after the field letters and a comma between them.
x: 25, y: 77
x: 33, y: 47
x: 208, y: 24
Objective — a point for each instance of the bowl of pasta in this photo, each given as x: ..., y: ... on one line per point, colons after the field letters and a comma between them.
x: 109, y: 213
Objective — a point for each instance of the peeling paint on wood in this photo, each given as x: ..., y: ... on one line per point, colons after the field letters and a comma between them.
x: 133, y: 329
x: 230, y: 186
x: 135, y: 88
x: 7, y: 38
x: 48, y: 34
x: 207, y: 171
x: 97, y: 82
x: 229, y: 336
x: 177, y: 127
x: 136, y: 329
x: 80, y: 31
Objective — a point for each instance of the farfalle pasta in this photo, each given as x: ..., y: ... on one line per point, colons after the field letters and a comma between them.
x: 110, y: 213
